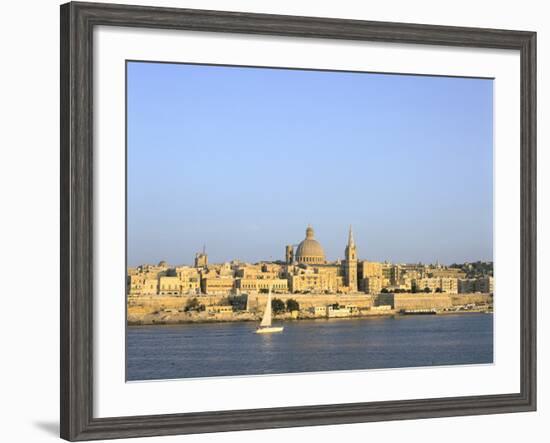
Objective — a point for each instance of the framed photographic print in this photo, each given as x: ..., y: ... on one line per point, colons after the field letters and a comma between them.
x: 272, y: 221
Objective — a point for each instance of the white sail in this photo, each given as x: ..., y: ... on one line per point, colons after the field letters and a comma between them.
x: 266, y: 320
x: 265, y: 325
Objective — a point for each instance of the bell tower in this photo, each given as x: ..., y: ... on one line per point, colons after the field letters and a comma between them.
x: 350, y: 267
x: 201, y: 259
x: 289, y: 254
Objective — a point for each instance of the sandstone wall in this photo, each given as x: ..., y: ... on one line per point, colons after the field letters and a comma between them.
x: 309, y: 300
x: 415, y: 301
x: 149, y: 304
x: 166, y: 309
x: 429, y: 301
x: 463, y: 299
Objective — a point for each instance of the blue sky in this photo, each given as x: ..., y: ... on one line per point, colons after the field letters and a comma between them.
x: 242, y: 159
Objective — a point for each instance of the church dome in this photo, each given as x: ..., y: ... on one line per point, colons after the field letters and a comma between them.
x: 310, y: 251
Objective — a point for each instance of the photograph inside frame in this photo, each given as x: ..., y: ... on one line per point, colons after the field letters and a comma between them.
x: 295, y: 220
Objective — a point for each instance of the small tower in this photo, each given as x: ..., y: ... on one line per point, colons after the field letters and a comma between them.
x: 350, y: 266
x: 289, y: 254
x: 201, y: 259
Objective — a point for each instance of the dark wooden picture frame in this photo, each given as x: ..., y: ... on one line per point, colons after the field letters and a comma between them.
x: 77, y: 23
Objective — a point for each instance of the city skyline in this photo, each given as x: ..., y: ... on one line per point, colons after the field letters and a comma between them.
x: 216, y: 158
x: 205, y: 251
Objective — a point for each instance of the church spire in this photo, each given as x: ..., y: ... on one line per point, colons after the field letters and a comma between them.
x: 350, y: 267
x: 351, y: 242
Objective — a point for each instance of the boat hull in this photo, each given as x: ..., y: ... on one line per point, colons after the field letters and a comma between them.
x: 269, y: 330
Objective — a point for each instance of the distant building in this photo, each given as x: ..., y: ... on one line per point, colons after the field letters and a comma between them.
x: 446, y: 272
x: 189, y: 279
x: 261, y: 284
x: 367, y: 269
x: 318, y: 311
x: 141, y: 284
x: 485, y: 285
x: 449, y: 285
x: 427, y: 283
x: 372, y: 285
x: 201, y: 259
x: 289, y: 255
x: 435, y: 284
x: 341, y: 311
x: 482, y: 284
x: 217, y: 285
x: 169, y: 286
x: 220, y: 310
x: 391, y: 273
x: 466, y: 285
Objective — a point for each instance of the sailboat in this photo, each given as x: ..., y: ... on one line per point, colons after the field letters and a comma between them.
x: 265, y: 325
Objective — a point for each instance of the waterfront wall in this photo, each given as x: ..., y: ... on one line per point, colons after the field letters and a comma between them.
x: 157, y: 308
x: 148, y: 304
x: 415, y: 301
x: 430, y: 301
x: 464, y: 299
x: 257, y: 302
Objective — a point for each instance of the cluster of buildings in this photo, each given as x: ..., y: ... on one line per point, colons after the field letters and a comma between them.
x: 304, y: 270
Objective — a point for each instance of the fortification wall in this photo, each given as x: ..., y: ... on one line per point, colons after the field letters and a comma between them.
x: 415, y: 301
x: 464, y: 299
x: 148, y: 304
x: 168, y: 309
x: 309, y: 300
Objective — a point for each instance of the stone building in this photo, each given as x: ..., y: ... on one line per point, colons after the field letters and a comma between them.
x: 168, y: 286
x: 261, y: 284
x: 466, y: 285
x: 449, y: 285
x: 391, y: 273
x: 471, y: 285
x: 315, y: 279
x: 485, y: 285
x: 435, y: 284
x: 443, y: 272
x: 144, y: 279
x: 201, y: 259
x: 140, y: 284
x: 216, y: 284
x: 189, y: 279
x: 289, y: 254
x: 372, y: 285
x: 367, y: 269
